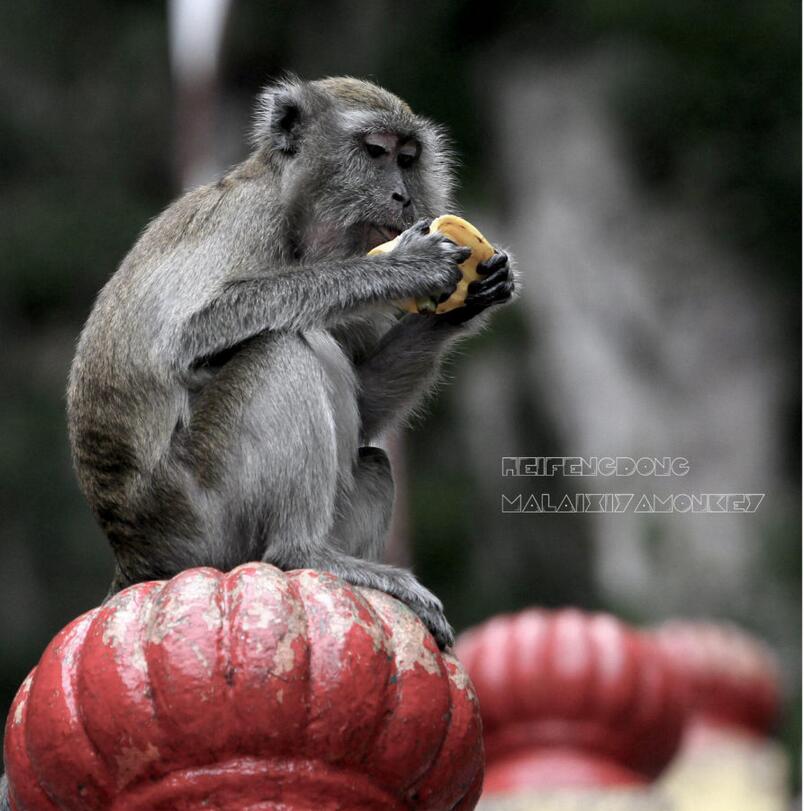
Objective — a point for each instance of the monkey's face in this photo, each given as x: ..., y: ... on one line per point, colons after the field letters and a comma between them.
x: 358, y: 167
x: 373, y: 179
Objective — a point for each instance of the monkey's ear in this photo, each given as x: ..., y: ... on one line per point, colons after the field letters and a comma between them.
x: 280, y: 118
x: 286, y: 123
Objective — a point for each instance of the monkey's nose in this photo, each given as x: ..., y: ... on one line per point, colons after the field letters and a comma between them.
x: 398, y: 197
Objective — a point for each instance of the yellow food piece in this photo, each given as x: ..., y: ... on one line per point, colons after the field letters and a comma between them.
x: 462, y: 233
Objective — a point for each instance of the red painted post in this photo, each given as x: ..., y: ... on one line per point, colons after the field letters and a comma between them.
x: 731, y: 679
x: 570, y: 701
x: 256, y: 689
x: 732, y: 692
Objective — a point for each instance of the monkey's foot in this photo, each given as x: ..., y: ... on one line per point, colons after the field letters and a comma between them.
x: 425, y: 604
x: 399, y: 583
x: 437, y: 624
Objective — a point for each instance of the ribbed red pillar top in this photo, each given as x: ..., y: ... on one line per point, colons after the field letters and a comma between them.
x: 571, y: 699
x: 731, y: 678
x: 255, y: 689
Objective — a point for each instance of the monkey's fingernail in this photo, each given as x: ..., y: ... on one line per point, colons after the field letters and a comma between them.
x: 496, y: 262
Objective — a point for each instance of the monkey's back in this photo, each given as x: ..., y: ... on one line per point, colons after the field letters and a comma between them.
x: 125, y: 396
x: 127, y: 390
x: 120, y: 409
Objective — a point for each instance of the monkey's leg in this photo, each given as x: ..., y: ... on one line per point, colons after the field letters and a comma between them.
x: 364, y: 516
x: 371, y: 510
x: 361, y: 531
x: 263, y: 441
x: 272, y: 451
x: 359, y: 537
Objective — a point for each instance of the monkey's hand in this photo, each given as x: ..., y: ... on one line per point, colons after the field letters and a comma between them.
x: 433, y: 257
x: 496, y: 287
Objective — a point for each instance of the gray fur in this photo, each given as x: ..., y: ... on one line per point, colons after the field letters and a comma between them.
x: 246, y: 348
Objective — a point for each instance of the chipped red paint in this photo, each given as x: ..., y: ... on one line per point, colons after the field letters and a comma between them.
x: 571, y: 699
x: 731, y: 678
x: 254, y: 690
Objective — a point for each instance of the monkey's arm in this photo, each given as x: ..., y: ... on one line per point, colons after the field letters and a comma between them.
x: 403, y: 367
x: 307, y: 297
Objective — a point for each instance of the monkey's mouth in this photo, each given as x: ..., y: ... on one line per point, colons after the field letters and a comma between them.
x: 377, y: 234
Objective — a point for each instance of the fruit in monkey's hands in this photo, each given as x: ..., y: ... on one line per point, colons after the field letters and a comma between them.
x: 462, y: 233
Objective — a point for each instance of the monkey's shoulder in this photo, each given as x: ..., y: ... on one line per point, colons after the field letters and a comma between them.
x: 234, y: 213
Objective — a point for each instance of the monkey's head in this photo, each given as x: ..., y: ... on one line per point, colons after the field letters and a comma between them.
x: 354, y: 165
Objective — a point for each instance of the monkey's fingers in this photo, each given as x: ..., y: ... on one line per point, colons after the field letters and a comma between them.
x: 462, y: 253
x: 497, y: 261
x: 494, y: 290
x: 501, y: 274
x: 496, y: 293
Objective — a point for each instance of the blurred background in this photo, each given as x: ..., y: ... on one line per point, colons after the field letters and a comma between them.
x: 642, y: 160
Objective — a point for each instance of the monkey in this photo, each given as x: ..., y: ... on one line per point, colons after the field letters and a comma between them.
x: 235, y: 369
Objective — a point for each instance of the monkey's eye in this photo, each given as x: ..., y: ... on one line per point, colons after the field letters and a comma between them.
x: 408, y: 154
x: 375, y: 150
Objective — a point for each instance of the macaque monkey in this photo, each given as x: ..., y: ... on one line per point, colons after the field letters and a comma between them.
x: 235, y: 369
